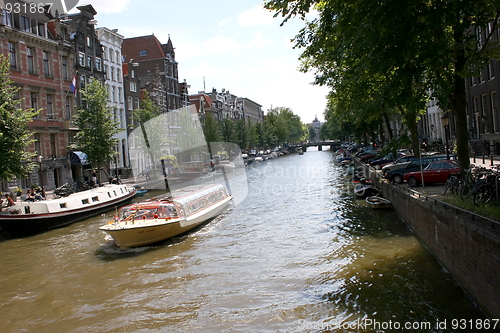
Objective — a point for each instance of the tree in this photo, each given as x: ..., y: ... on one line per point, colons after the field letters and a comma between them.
x: 286, y: 125
x: 415, y: 46
x: 15, y: 136
x: 211, y: 129
x: 227, y: 130
x: 241, y: 134
x: 311, y: 133
x: 96, y: 127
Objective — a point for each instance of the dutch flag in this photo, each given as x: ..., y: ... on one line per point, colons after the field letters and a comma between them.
x: 73, y: 85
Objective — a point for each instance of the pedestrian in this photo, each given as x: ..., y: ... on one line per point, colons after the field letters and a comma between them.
x: 30, y: 196
x: 146, y: 172
x: 10, y: 202
x: 94, y: 177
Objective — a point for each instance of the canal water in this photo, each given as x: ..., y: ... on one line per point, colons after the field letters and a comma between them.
x: 299, y: 254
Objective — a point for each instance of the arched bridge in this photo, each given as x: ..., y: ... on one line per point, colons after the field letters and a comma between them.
x: 334, y: 145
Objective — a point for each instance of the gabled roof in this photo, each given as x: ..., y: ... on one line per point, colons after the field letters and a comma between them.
x: 168, y: 48
x: 142, y: 48
x: 197, y: 99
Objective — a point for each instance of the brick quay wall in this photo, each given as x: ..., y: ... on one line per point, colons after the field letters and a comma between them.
x: 465, y: 244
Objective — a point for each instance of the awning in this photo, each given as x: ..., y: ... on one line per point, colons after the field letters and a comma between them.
x: 78, y: 158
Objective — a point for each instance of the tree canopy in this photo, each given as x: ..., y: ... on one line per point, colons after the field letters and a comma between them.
x: 96, y: 127
x: 15, y: 159
x: 280, y: 126
x: 386, y: 56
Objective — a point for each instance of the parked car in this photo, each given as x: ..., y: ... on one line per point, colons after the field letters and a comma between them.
x: 397, y: 175
x: 435, y: 172
x: 376, y: 163
x: 398, y: 163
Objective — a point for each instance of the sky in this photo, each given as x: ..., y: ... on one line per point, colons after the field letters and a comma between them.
x: 235, y: 45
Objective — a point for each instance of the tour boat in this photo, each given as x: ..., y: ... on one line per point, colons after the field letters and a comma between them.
x: 158, y: 219
x: 31, y: 217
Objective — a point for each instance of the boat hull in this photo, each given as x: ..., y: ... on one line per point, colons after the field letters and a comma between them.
x: 139, y: 235
x: 25, y: 224
x: 378, y: 203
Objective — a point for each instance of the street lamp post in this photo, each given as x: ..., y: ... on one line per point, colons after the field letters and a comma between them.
x: 40, y: 169
x: 446, y: 122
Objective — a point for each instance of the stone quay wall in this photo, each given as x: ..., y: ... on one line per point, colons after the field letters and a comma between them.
x: 467, y: 245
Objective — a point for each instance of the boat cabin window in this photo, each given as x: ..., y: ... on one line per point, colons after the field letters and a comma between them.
x: 166, y: 210
x: 94, y: 199
x: 62, y: 205
x: 145, y: 213
x: 125, y: 212
x: 85, y: 201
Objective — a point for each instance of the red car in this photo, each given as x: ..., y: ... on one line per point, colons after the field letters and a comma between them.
x: 435, y: 172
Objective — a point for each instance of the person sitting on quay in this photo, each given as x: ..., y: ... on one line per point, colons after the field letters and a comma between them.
x: 9, y: 202
x: 32, y: 197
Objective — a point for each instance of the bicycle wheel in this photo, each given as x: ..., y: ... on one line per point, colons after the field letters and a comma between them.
x: 447, y: 185
x: 465, y: 190
x: 483, y: 196
x: 455, y: 185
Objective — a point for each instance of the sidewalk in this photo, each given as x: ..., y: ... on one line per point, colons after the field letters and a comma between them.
x: 486, y: 161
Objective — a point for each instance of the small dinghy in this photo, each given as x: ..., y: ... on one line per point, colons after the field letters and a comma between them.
x: 378, y: 202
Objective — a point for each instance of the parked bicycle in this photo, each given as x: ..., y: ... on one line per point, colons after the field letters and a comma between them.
x: 475, y: 177
x: 489, y: 190
x: 64, y: 190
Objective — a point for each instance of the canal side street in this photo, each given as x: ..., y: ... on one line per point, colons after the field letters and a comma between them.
x: 465, y: 243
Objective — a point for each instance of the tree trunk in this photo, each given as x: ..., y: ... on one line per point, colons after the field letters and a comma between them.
x: 459, y: 106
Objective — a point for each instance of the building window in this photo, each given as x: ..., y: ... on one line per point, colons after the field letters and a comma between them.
x: 89, y: 62
x: 65, y: 68
x: 491, y: 72
x: 81, y: 59
x: 130, y: 103
x: 136, y: 103
x: 53, y: 144
x: 50, y: 106
x: 120, y: 98
x: 38, y: 144
x: 41, y: 30
x: 82, y: 82
x: 7, y: 18
x: 34, y: 102
x: 17, y: 98
x: 89, y: 41
x: 12, y: 55
x: 25, y: 24
x: 98, y: 64
x: 143, y: 53
x: 46, y: 63
x: 31, y: 59
x: 117, y: 56
x: 118, y: 75
x: 494, y: 113
x: 133, y: 86
x: 110, y: 55
x: 68, y: 107
x: 112, y: 73
x: 122, y: 116
x: 114, y: 94
x: 132, y: 74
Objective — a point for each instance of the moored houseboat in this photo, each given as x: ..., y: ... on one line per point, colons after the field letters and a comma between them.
x: 27, y: 217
